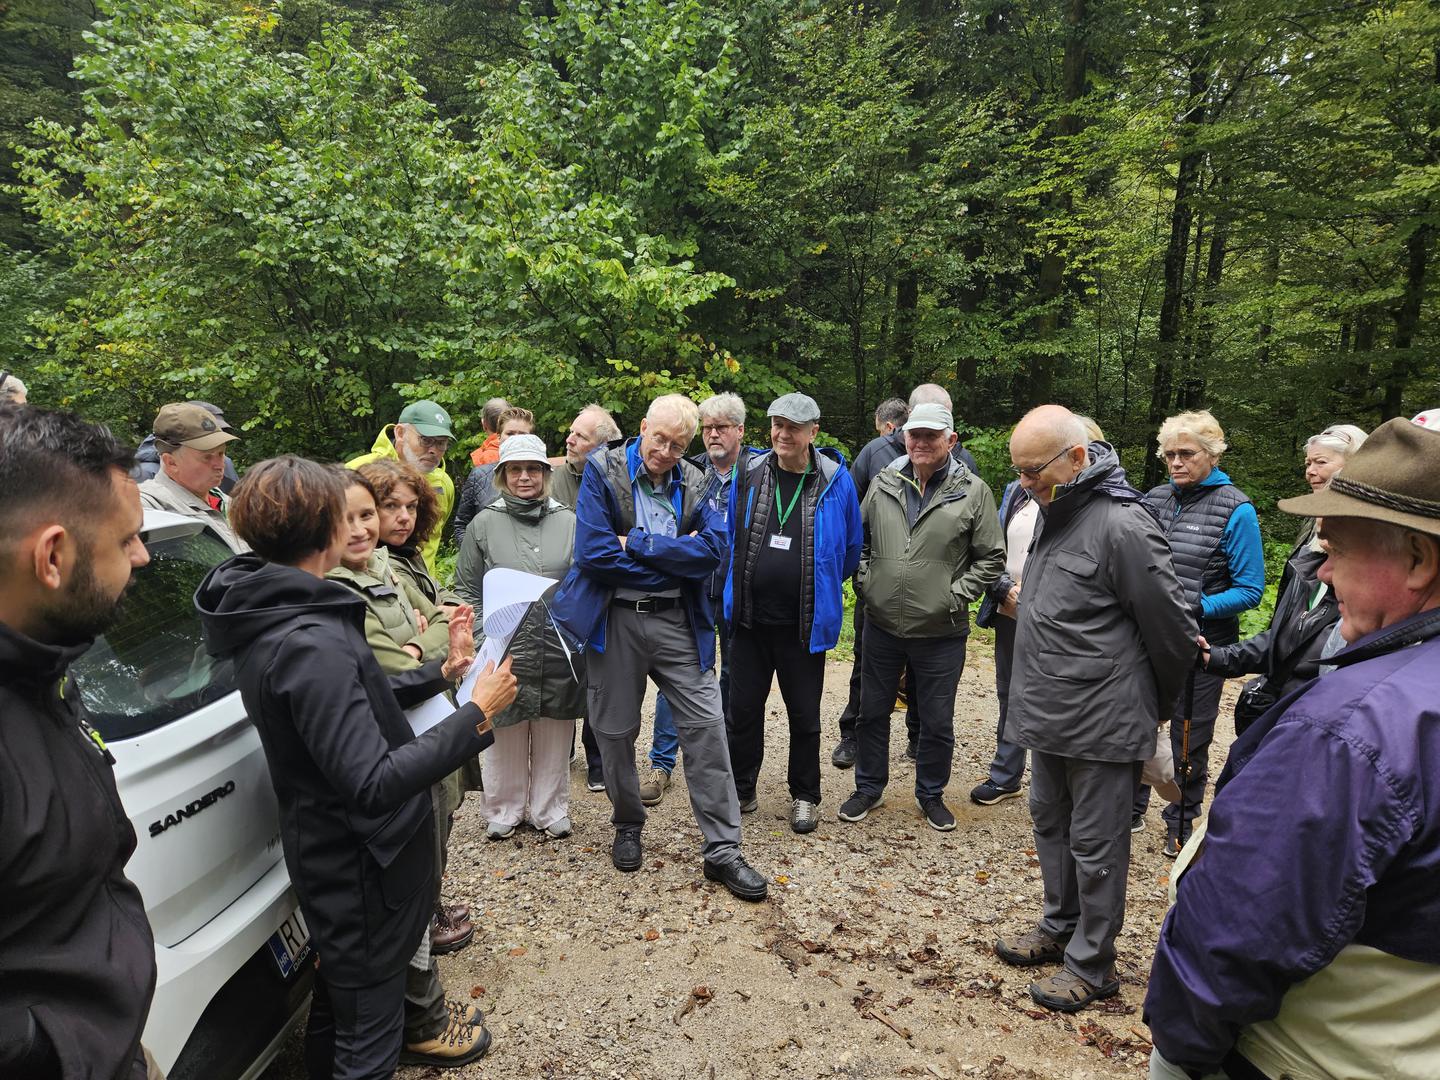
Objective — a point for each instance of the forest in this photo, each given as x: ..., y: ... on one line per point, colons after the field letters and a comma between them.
x: 310, y: 212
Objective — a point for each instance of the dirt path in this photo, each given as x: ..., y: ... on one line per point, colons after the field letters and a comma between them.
x: 870, y: 959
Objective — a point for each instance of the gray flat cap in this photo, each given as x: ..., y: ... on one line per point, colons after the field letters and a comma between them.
x: 797, y: 408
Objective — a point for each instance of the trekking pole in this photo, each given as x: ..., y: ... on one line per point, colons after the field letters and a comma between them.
x: 1185, y: 753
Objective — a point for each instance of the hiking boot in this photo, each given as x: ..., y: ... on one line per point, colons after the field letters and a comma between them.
x: 1031, y: 948
x: 937, y: 814
x: 625, y: 853
x: 804, y: 816
x: 458, y: 1044
x: 988, y: 794
x: 654, y: 787
x: 465, y: 1013
x: 448, y: 934
x: 1067, y: 992
x: 857, y: 807
x: 843, y: 756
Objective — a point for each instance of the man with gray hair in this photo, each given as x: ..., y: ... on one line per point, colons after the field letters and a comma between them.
x: 592, y: 427
x: 1103, y: 639
x: 488, y: 452
x: 1302, y: 938
x: 191, y: 445
x: 879, y: 452
x: 12, y: 390
x: 648, y: 536
x: 722, y: 428
x: 932, y: 545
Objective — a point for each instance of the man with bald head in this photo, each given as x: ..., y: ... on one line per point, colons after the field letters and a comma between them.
x: 1103, y: 639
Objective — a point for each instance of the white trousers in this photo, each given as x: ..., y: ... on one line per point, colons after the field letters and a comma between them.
x: 527, y: 773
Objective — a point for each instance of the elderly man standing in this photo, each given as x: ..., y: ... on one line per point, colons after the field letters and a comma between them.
x: 593, y: 427
x: 795, y: 531
x: 488, y: 452
x: 928, y: 521
x: 1103, y: 639
x: 1322, y: 847
x: 422, y: 436
x: 722, y: 428
x: 191, y: 445
x: 648, y: 535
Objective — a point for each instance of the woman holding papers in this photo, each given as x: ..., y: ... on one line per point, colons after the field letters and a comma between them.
x: 527, y: 770
x: 356, y: 821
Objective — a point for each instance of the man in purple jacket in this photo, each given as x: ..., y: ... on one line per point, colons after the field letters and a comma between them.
x: 1303, y: 937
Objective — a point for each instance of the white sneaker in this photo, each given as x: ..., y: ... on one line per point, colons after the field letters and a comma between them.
x: 496, y: 831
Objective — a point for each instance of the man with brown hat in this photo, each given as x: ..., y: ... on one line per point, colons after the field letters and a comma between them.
x: 191, y: 443
x: 1303, y: 942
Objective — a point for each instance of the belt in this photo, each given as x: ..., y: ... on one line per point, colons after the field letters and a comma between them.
x: 647, y: 604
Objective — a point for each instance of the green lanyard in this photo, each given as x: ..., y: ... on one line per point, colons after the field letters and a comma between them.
x: 783, y: 513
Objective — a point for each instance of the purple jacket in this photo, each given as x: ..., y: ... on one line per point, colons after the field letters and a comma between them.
x: 1325, y: 832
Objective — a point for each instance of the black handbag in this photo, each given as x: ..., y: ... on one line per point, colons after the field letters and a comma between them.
x: 1254, y: 701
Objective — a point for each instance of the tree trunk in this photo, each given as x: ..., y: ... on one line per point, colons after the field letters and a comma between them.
x: 1271, y: 279
x: 1193, y: 393
x: 1407, y: 320
x: 1051, y: 281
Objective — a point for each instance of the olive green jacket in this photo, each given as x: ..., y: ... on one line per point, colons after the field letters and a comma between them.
x: 903, y: 571
x: 551, y: 680
x: 391, y: 601
x: 407, y: 562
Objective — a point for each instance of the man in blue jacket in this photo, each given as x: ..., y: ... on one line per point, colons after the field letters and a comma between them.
x: 648, y: 535
x: 795, y: 534
x: 1302, y: 941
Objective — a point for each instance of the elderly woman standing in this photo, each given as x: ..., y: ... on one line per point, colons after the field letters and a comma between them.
x: 527, y: 770
x: 1215, y: 541
x: 1287, y: 653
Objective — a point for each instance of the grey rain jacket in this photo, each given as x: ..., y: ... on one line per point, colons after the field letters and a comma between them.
x: 1104, y: 636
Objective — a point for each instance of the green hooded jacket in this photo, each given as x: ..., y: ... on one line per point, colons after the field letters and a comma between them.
x: 956, y: 539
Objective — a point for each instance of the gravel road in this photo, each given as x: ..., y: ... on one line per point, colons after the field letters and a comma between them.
x: 871, y: 959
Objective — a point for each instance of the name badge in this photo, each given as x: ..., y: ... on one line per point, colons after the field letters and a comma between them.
x: 780, y: 543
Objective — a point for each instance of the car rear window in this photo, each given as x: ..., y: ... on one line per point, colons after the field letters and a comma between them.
x: 151, y: 668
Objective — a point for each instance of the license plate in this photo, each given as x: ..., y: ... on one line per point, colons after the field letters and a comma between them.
x: 290, y: 945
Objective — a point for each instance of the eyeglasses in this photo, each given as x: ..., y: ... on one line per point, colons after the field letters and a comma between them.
x: 665, y: 446
x: 715, y: 429
x: 433, y: 442
x: 1179, y: 455
x: 1033, y: 472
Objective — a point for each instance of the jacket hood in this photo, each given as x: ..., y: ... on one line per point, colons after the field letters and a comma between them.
x: 25, y: 660
x: 146, y: 453
x: 827, y: 460
x: 385, y: 442
x: 1103, y: 476
x: 245, y: 596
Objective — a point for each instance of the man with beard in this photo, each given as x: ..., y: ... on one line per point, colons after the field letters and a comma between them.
x: 75, y: 946
x: 420, y: 438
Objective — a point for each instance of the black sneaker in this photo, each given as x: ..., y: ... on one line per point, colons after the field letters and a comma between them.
x: 594, y: 777
x: 856, y: 807
x: 1137, y: 823
x: 843, y: 756
x: 625, y: 853
x: 937, y: 814
x: 988, y: 794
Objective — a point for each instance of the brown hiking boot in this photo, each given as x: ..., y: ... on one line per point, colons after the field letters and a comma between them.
x: 459, y: 1044
x: 448, y: 935
x: 1068, y: 992
x: 654, y: 787
x: 1030, y: 948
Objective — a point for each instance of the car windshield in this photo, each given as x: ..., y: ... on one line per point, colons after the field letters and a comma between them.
x: 151, y: 667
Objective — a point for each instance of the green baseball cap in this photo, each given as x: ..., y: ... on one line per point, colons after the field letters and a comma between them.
x: 427, y: 418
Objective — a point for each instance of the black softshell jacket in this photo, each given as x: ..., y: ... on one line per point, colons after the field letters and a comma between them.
x: 352, y: 780
x: 77, y: 959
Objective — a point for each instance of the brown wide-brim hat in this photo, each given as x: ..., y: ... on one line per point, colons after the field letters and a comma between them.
x: 1394, y: 477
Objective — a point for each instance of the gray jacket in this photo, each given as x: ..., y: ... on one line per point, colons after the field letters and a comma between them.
x: 162, y: 493
x: 1104, y: 636
x: 537, y: 540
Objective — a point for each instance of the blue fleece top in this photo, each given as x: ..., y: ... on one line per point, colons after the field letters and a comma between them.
x: 1245, y: 555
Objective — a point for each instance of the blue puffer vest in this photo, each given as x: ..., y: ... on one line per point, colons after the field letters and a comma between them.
x: 1194, y: 521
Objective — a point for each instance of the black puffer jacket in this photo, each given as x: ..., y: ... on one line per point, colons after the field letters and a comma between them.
x: 352, y: 780
x: 1290, y: 646
x: 77, y: 959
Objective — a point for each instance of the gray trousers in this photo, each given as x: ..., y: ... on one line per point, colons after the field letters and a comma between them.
x: 1081, y: 812
x: 660, y: 645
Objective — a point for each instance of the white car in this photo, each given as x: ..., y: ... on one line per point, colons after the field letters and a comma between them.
x: 231, y: 946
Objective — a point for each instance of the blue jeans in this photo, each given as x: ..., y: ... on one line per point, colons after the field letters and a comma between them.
x: 666, y: 740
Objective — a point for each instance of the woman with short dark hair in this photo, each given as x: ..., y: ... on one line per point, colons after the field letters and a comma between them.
x: 351, y: 777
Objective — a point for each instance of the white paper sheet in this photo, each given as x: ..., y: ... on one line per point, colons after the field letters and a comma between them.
x: 429, y: 713
x: 507, y: 595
